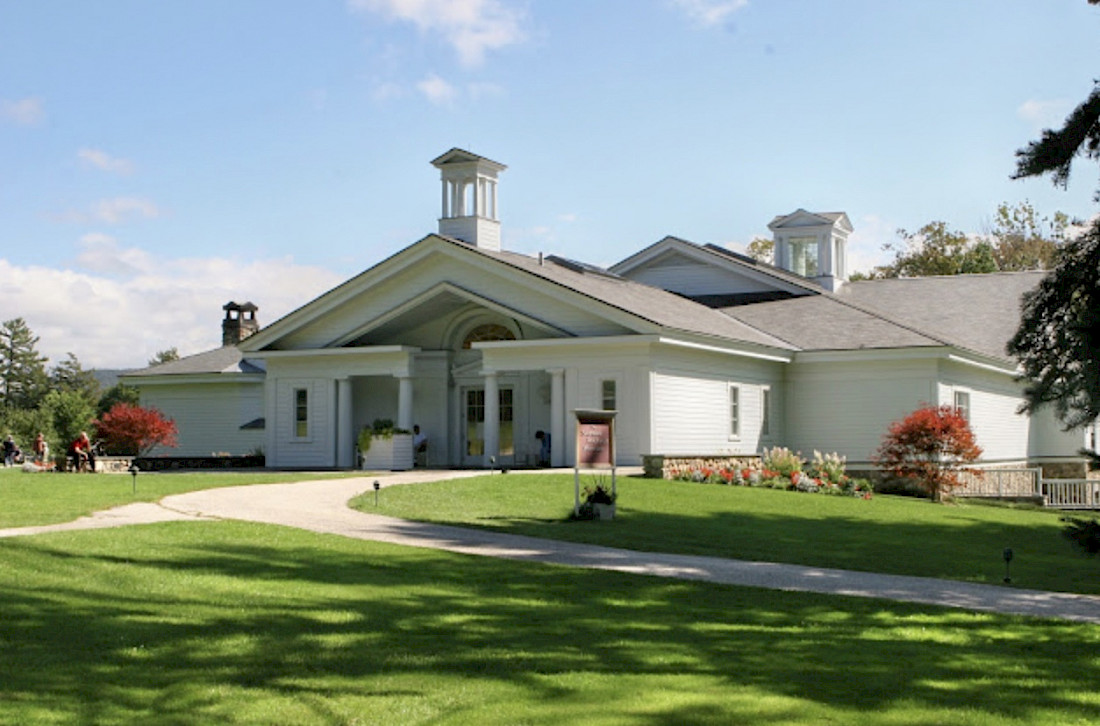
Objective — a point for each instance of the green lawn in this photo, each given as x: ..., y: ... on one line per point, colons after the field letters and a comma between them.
x: 30, y: 499
x: 899, y: 535
x: 227, y: 622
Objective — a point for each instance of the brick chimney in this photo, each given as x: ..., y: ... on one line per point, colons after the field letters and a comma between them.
x: 240, y: 322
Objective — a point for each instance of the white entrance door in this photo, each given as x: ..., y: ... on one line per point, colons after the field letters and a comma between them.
x: 473, y: 429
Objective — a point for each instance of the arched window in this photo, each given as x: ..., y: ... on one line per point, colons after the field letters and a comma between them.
x: 488, y: 331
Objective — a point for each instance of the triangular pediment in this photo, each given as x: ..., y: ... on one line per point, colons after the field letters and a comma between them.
x: 702, y: 272
x: 802, y: 218
x: 417, y: 296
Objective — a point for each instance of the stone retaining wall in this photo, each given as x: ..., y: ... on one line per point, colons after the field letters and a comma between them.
x: 658, y: 466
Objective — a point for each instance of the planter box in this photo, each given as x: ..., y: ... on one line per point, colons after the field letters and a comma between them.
x: 604, y: 511
x: 389, y: 454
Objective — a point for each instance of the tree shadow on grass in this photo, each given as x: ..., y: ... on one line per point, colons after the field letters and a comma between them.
x: 198, y: 623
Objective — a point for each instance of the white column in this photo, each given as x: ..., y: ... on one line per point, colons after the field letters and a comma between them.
x: 443, y: 214
x: 404, y: 402
x: 345, y: 437
x: 492, y: 416
x: 557, y: 417
x: 493, y: 200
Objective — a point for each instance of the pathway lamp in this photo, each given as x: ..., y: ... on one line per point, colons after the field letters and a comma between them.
x: 133, y: 473
x: 1008, y: 558
x: 377, y: 486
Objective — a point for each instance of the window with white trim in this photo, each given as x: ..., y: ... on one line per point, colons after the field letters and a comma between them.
x: 607, y: 394
x: 962, y: 404
x: 301, y: 413
x: 735, y: 411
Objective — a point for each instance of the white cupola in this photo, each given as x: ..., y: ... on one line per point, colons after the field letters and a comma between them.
x: 470, y: 211
x: 813, y: 245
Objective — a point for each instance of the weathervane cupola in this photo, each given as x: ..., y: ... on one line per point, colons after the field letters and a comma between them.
x: 813, y: 245
x: 470, y: 211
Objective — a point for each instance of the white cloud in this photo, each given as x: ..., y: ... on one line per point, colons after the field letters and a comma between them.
x: 25, y: 112
x: 471, y: 27
x: 865, y: 243
x: 106, y: 162
x: 1044, y: 114
x: 709, y: 13
x: 121, y: 306
x: 437, y: 90
x: 113, y: 211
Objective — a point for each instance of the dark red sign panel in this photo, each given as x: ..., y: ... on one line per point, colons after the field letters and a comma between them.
x: 594, y: 444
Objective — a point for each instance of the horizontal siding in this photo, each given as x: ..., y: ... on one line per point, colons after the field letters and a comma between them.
x: 691, y: 415
x: 316, y: 449
x: 994, y: 399
x: 209, y: 418
x: 848, y: 407
x: 697, y: 279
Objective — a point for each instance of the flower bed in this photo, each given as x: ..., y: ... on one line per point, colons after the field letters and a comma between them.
x: 780, y: 468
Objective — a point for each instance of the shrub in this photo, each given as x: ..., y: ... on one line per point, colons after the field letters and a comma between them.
x: 782, y: 461
x: 1084, y: 533
x: 134, y: 431
x: 930, y: 446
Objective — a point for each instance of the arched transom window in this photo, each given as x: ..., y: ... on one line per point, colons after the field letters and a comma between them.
x: 488, y: 331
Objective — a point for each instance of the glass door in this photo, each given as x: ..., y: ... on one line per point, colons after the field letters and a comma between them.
x: 473, y: 434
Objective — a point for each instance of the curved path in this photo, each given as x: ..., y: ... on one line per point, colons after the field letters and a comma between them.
x: 321, y: 506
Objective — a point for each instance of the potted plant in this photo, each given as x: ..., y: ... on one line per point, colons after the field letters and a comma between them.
x: 599, y: 501
x: 383, y: 446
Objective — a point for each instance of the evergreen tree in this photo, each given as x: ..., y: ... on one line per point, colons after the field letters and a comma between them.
x: 68, y: 375
x: 1058, y: 341
x: 23, y: 379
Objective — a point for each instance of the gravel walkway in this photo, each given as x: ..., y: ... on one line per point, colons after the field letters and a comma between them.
x: 321, y: 506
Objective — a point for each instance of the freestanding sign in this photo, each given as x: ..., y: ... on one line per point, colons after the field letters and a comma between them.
x: 595, y: 447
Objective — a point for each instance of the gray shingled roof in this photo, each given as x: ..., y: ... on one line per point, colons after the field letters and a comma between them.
x: 226, y: 359
x: 658, y: 306
x: 823, y: 322
x: 975, y: 312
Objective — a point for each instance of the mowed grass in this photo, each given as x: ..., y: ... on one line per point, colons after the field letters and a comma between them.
x: 48, y: 498
x: 236, y: 623
x: 897, y: 535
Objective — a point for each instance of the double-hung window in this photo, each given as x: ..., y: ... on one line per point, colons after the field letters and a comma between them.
x: 735, y: 411
x: 962, y: 404
x: 301, y: 413
x: 607, y: 395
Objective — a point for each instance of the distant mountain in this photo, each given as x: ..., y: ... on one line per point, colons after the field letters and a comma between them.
x: 109, y: 377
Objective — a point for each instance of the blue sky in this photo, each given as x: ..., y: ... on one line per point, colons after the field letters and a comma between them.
x: 158, y: 159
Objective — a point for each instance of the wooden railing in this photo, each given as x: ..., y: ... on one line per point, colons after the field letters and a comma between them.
x: 1071, y: 493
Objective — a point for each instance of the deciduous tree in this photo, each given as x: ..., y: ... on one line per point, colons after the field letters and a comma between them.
x: 936, y: 250
x: 165, y: 356
x: 118, y: 393
x: 762, y: 249
x: 134, y: 431
x: 1025, y: 240
x: 930, y: 446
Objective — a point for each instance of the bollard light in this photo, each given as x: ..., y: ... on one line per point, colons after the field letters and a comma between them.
x: 492, y: 464
x: 377, y: 486
x: 1008, y: 558
x: 134, y: 472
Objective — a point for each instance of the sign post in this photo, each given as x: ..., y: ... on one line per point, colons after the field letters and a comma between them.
x: 595, y: 447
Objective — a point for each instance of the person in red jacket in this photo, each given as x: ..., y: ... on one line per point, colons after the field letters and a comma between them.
x: 81, y: 451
